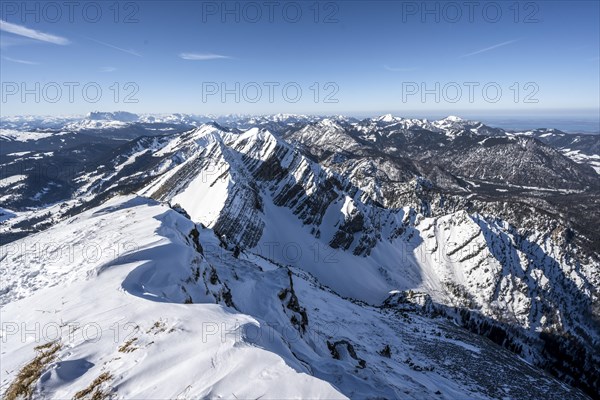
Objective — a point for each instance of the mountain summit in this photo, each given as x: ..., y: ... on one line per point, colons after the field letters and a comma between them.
x: 204, y: 255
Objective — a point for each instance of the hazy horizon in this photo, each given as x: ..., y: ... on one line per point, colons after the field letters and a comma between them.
x: 574, y: 123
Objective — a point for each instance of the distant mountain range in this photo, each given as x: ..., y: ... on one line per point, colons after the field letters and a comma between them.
x: 409, y: 258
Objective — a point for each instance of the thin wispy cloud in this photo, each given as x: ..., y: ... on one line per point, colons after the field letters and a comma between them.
x: 490, y: 48
x: 7, y: 41
x: 202, y: 56
x: 395, y: 69
x: 32, y: 33
x: 16, y: 60
x: 112, y: 46
x: 108, y: 69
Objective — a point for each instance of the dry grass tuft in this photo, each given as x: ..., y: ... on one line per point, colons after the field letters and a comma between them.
x: 158, y: 327
x: 128, y: 346
x: 93, y: 391
x: 25, y: 381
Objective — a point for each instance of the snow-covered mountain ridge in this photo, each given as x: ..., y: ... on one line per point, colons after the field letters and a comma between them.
x: 274, y: 331
x: 356, y: 210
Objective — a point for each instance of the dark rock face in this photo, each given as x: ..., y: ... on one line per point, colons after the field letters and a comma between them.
x: 339, y: 349
x: 409, y: 301
x: 299, y: 316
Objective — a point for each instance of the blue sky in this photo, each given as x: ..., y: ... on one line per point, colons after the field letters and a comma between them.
x: 349, y: 57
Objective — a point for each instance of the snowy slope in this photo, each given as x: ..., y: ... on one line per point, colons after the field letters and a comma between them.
x: 143, y: 323
x: 261, y: 194
x: 344, y: 205
x: 136, y: 298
